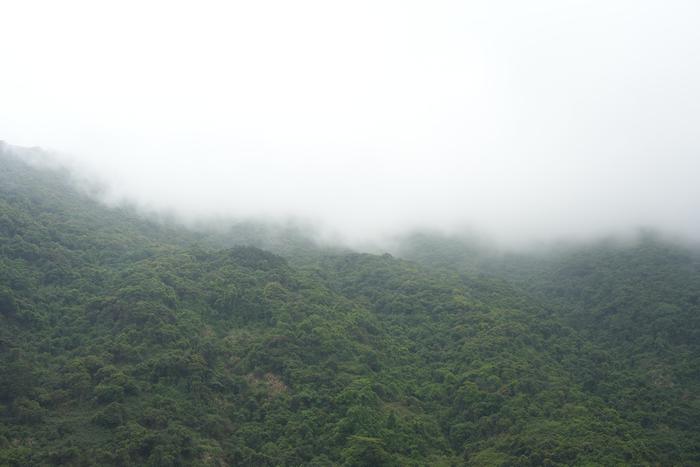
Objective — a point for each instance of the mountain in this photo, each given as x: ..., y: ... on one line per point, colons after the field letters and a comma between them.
x: 129, y: 341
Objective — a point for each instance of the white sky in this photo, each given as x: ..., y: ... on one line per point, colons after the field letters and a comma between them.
x: 521, y: 119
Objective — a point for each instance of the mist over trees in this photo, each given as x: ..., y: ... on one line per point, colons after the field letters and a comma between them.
x: 128, y: 341
x: 367, y: 233
x: 524, y: 121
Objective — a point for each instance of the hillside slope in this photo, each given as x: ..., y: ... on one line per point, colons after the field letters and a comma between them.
x: 126, y: 341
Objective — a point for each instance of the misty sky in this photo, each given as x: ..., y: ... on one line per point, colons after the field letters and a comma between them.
x: 520, y: 119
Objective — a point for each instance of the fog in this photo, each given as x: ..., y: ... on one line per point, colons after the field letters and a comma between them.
x: 521, y: 120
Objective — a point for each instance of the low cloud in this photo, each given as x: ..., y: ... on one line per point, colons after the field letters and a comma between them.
x: 523, y: 122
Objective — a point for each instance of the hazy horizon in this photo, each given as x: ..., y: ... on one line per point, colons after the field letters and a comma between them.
x: 520, y: 122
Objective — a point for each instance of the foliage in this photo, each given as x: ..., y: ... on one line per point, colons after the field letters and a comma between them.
x: 124, y: 341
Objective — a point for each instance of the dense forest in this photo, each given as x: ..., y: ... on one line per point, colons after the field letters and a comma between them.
x: 129, y: 341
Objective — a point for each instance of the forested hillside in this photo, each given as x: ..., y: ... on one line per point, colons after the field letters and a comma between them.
x: 125, y: 341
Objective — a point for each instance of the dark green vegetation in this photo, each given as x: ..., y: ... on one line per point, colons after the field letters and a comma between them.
x: 126, y: 342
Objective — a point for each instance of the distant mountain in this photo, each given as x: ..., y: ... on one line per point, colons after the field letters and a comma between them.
x: 127, y: 341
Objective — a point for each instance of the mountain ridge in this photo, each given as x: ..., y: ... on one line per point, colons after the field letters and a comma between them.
x: 126, y: 341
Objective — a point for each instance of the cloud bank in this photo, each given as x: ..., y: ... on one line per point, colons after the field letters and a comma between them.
x: 523, y: 120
